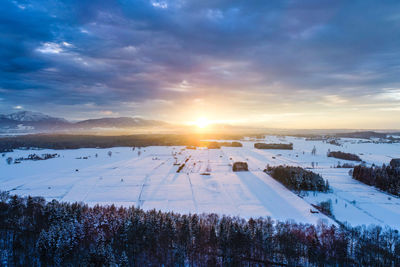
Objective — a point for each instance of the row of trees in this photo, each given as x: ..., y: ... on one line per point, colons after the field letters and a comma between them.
x: 343, y: 155
x: 273, y: 146
x: 386, y: 178
x: 218, y: 145
x: 298, y: 179
x: 71, y: 141
x: 36, y: 157
x: 36, y: 233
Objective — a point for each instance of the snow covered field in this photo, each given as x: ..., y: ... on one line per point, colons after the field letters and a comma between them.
x: 150, y: 180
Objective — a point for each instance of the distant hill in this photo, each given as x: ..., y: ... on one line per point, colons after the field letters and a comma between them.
x: 363, y: 135
x: 33, y: 122
x: 27, y: 121
x: 121, y: 122
x: 29, y: 116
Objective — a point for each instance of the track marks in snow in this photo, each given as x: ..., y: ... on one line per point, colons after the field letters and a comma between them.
x: 140, y: 201
x: 276, y: 199
x: 193, y: 197
x: 151, y: 184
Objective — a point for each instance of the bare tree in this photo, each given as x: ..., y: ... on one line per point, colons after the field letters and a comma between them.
x: 314, y: 151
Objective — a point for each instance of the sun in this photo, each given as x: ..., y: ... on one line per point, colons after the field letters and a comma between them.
x: 202, y: 123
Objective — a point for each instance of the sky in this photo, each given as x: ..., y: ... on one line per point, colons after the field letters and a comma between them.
x: 280, y: 64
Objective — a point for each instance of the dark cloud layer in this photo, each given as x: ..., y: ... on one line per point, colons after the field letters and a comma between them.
x: 109, y: 53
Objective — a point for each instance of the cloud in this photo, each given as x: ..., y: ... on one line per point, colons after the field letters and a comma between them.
x: 107, y: 112
x: 334, y: 100
x: 279, y: 53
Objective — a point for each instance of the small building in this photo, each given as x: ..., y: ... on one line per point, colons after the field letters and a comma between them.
x: 240, y: 166
x: 395, y: 163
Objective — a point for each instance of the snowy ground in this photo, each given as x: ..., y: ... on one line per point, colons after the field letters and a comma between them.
x: 150, y: 180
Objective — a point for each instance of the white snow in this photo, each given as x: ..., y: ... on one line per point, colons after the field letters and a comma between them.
x: 24, y: 116
x: 150, y: 181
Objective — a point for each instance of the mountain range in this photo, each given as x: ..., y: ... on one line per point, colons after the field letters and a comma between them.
x: 28, y: 121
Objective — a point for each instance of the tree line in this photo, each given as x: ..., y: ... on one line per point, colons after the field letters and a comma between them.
x: 298, y: 179
x: 343, y: 155
x: 70, y: 141
x: 386, y: 178
x: 39, y: 233
x: 273, y: 146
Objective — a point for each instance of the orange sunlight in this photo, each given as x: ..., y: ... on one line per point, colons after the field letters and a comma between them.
x: 202, y: 122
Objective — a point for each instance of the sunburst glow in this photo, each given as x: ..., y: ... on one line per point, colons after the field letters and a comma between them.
x: 202, y: 122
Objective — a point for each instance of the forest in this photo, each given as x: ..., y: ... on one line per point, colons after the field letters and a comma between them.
x: 386, y: 178
x: 343, y: 155
x: 297, y: 178
x: 70, y: 141
x: 273, y: 146
x: 39, y: 233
